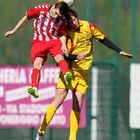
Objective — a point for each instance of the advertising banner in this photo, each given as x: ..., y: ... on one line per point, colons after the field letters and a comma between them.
x: 19, y: 109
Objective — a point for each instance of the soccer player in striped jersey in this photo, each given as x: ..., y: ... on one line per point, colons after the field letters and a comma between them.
x: 80, y: 40
x: 49, y: 37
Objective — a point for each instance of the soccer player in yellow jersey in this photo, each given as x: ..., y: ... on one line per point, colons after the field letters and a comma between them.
x: 80, y: 37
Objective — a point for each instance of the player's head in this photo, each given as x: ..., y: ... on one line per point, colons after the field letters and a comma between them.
x: 69, y: 2
x: 73, y: 21
x: 59, y: 9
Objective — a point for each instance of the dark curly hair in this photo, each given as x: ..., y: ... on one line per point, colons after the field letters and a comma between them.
x: 63, y: 8
x: 70, y: 13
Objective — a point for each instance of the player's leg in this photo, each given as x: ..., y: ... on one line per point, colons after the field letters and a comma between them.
x: 38, y: 58
x: 35, y: 77
x: 56, y: 52
x: 58, y: 100
x: 64, y: 68
x: 78, y: 98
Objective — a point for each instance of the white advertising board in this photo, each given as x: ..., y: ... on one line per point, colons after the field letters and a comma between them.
x: 134, y: 96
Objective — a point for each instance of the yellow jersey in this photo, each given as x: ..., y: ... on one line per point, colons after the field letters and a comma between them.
x: 81, y: 41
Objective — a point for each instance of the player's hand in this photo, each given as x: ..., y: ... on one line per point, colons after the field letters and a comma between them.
x: 80, y: 56
x: 8, y: 33
x: 126, y: 54
x: 65, y: 50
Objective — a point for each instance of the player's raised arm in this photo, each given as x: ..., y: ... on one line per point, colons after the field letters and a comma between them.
x: 112, y: 46
x: 22, y: 21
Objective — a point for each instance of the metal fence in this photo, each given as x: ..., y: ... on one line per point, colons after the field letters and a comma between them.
x: 107, y: 122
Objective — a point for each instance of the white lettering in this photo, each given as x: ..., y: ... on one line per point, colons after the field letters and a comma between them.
x: 19, y: 119
x: 32, y: 108
x: 48, y: 75
x: 11, y: 108
x: 1, y: 91
x: 58, y: 120
x: 12, y: 75
x: 0, y: 109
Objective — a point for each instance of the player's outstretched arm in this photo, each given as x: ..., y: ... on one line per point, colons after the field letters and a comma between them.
x: 108, y: 43
x: 23, y: 21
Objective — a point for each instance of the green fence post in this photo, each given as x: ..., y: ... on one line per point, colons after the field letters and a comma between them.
x: 32, y: 132
x: 115, y: 27
x: 89, y: 14
x: 89, y: 116
x: 134, y: 29
x: 50, y: 134
x: 134, y: 44
x: 114, y: 102
x: 89, y: 10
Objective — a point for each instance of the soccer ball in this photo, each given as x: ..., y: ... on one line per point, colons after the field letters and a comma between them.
x: 69, y: 2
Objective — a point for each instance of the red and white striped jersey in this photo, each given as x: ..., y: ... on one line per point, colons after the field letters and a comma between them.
x: 46, y: 27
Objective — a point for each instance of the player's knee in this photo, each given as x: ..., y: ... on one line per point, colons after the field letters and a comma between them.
x: 62, y: 96
x: 38, y: 62
x: 58, y: 58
